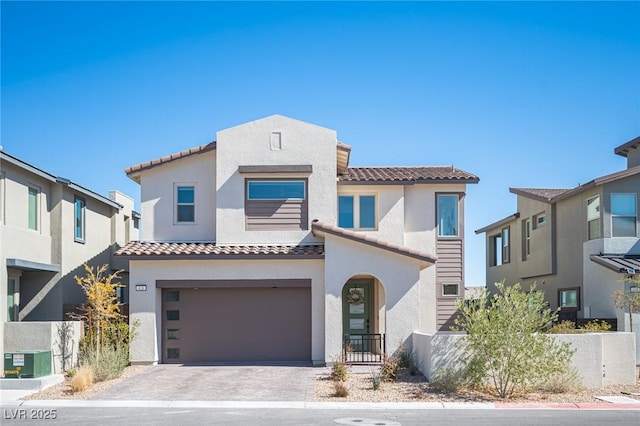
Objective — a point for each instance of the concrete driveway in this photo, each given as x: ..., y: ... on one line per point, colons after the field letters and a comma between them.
x: 172, y: 382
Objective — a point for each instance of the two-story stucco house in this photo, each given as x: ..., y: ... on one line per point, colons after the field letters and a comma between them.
x: 266, y: 246
x: 50, y: 226
x: 577, y: 244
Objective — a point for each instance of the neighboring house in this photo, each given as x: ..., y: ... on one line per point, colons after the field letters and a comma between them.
x: 50, y: 226
x: 266, y: 246
x: 579, y: 245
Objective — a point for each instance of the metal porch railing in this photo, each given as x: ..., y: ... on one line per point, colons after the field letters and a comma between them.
x: 363, y: 348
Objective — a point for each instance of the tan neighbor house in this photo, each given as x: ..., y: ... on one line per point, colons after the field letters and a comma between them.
x: 266, y: 246
x: 49, y: 227
x: 577, y: 244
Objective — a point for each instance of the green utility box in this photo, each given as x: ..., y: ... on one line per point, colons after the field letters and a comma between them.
x: 27, y: 364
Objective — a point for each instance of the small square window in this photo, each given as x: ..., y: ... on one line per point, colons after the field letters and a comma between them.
x: 172, y: 295
x: 569, y: 298
x: 450, y: 289
x: 173, y: 353
x: 173, y: 315
x: 173, y: 334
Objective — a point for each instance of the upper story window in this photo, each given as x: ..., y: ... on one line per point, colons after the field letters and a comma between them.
x: 33, y: 216
x: 276, y: 190
x: 593, y: 218
x: 448, y: 225
x: 623, y: 215
x: 185, y: 204
x: 79, y: 219
x: 357, y: 211
x: 526, y: 241
x: 276, y: 204
x: 506, y: 245
x: 539, y: 220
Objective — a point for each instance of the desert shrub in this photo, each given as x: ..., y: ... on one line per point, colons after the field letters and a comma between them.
x: 339, y: 370
x: 596, y: 326
x: 506, y: 344
x: 82, y: 379
x: 111, y: 364
x: 449, y: 379
x: 568, y: 381
x: 389, y: 369
x: 564, y: 327
x: 376, y: 379
x: 340, y: 389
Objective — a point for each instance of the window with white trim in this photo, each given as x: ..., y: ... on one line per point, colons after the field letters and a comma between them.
x: 357, y: 212
x: 185, y: 204
x: 526, y: 238
x: 623, y: 215
x: 594, y: 229
x: 506, y: 245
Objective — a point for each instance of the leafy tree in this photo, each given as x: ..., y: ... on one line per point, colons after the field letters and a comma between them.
x: 506, y: 344
x: 101, y: 312
x: 628, y: 300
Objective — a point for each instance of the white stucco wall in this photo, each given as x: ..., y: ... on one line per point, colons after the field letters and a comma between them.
x: 249, y: 144
x: 146, y: 305
x: 399, y: 275
x: 157, y: 199
x: 389, y: 210
x: 600, y: 359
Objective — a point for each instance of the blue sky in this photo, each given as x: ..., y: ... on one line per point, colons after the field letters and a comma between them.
x: 520, y: 94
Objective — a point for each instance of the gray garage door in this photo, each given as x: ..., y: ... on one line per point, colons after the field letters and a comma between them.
x: 236, y: 324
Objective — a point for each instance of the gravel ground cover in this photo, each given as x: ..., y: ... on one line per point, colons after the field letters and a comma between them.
x: 406, y: 388
x: 409, y: 388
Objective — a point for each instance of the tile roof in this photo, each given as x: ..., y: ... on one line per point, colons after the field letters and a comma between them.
x: 541, y: 194
x: 628, y: 264
x: 407, y: 174
x: 424, y: 258
x: 166, y: 159
x: 150, y: 250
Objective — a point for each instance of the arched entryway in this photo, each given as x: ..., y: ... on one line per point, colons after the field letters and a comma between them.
x: 363, y: 320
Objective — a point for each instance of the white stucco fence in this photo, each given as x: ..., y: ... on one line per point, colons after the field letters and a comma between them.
x: 45, y: 336
x: 600, y: 359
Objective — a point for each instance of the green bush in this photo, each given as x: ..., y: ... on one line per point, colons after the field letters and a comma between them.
x: 376, y: 379
x: 506, y: 344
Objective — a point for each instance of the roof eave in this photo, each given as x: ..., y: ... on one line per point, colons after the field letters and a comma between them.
x: 499, y: 223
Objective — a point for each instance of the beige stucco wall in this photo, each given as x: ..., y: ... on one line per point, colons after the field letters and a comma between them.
x: 157, y: 198
x: 45, y: 336
x: 249, y: 145
x: 600, y: 359
x: 146, y: 305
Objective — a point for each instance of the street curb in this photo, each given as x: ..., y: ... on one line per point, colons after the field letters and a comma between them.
x: 303, y: 405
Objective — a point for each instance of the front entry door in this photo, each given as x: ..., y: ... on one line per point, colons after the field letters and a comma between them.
x: 356, y: 302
